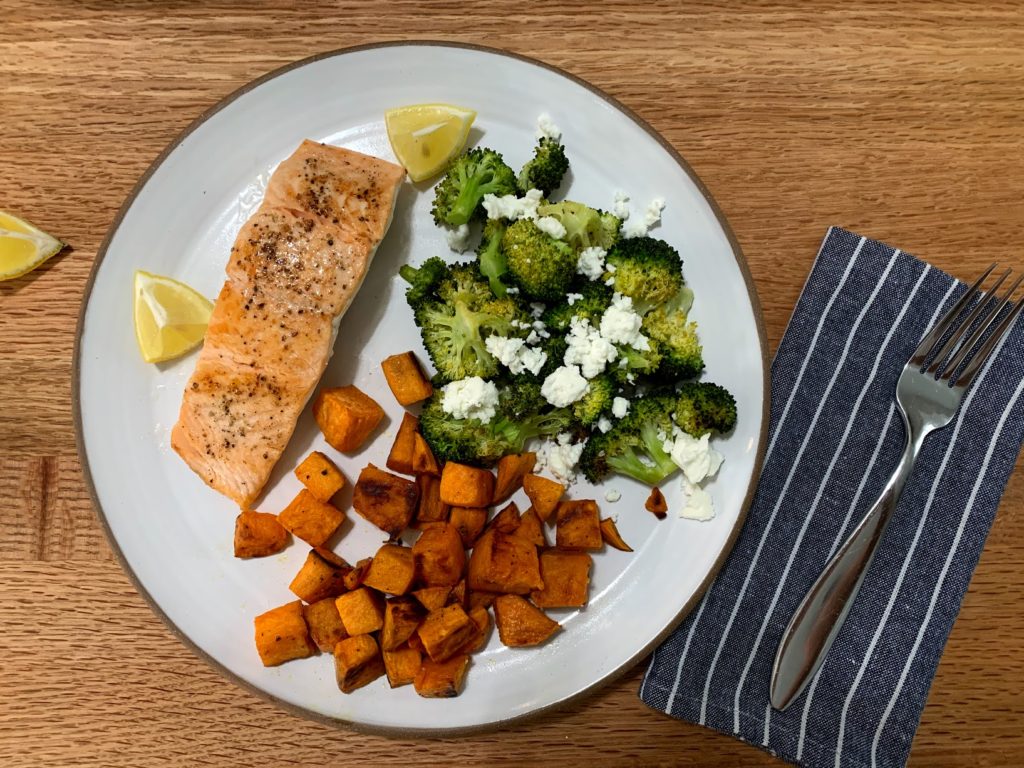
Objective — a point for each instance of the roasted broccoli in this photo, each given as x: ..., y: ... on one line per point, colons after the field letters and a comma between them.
x: 632, y: 362
x: 597, y: 297
x: 491, y: 257
x: 681, y: 354
x: 584, y: 226
x: 423, y: 279
x: 458, y: 197
x: 703, y: 407
x: 544, y: 171
x: 647, y: 270
x: 555, y: 348
x: 597, y: 401
x: 540, y: 265
x: 635, y: 445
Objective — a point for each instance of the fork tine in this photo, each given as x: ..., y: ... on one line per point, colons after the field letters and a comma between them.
x: 965, y: 325
x: 967, y: 376
x: 950, y: 368
x: 928, y: 342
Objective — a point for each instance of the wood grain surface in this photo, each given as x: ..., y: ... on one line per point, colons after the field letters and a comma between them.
x: 903, y: 121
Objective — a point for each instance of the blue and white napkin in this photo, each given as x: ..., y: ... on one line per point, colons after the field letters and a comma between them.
x: 835, y: 437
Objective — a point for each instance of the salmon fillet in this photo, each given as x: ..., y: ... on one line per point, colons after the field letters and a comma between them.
x: 294, y: 270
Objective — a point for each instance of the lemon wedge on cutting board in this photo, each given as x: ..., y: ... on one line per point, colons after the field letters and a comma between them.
x: 170, y: 317
x: 425, y: 137
x: 23, y: 247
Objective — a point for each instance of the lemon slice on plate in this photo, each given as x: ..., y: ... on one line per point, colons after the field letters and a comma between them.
x: 170, y: 317
x: 425, y: 137
x: 23, y: 247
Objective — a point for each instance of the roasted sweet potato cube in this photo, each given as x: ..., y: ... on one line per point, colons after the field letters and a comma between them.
x: 423, y: 461
x: 320, y: 476
x: 566, y: 576
x: 531, y: 528
x: 346, y: 416
x: 544, y: 494
x: 507, y: 520
x: 282, y: 635
x: 401, y: 665
x: 465, y: 486
x: 521, y: 623
x: 392, y: 570
x: 458, y: 594
x: 400, y: 458
x: 479, y: 599
x: 325, y: 625
x: 469, y: 522
x: 610, y: 533
x: 445, y: 630
x: 258, y: 534
x: 578, y: 525
x: 431, y: 509
x: 415, y: 642
x: 310, y: 519
x: 439, y: 555
x: 406, y: 379
x: 656, y: 503
x: 482, y: 618
x: 357, y: 661
x: 511, y: 471
x: 441, y: 680
x: 322, y: 575
x: 504, y: 563
x: 361, y: 610
x: 402, y: 615
x: 386, y: 500
x: 433, y: 598
x: 354, y: 578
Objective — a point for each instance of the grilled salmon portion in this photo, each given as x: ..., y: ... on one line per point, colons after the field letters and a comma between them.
x: 294, y: 270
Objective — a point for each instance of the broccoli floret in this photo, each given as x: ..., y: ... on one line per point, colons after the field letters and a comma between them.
x: 681, y: 354
x: 544, y: 171
x: 540, y: 265
x: 492, y: 259
x: 635, y: 445
x: 584, y: 226
x: 423, y: 279
x: 597, y: 401
x: 703, y: 407
x: 522, y: 414
x: 637, y: 362
x: 597, y: 297
x: 555, y: 348
x: 647, y: 270
x: 458, y: 197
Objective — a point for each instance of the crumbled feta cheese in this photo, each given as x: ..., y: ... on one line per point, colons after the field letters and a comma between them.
x: 533, y: 360
x: 533, y: 338
x: 458, y: 238
x: 536, y: 310
x: 630, y: 378
x: 471, y: 398
x: 591, y: 262
x: 621, y: 325
x: 610, y: 281
x: 512, y: 290
x: 698, y: 503
x: 515, y: 355
x: 620, y: 407
x: 612, y: 495
x: 564, y: 386
x: 587, y: 348
x: 551, y: 226
x: 695, y: 457
x: 560, y: 457
x: 512, y: 207
x: 604, y: 424
x: 611, y: 268
x: 546, y: 127
x: 638, y: 227
x: 621, y: 205
x: 572, y: 298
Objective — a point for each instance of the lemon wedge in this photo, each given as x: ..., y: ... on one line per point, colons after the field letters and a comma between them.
x: 23, y: 247
x: 425, y: 137
x: 170, y: 317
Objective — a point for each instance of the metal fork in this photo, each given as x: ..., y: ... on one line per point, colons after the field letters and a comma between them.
x: 928, y: 395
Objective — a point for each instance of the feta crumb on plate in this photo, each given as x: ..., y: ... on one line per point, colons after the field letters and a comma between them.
x: 612, y: 495
x: 458, y: 238
x: 560, y: 457
x: 694, y: 456
x: 621, y: 205
x: 591, y: 262
x: 564, y: 386
x: 471, y: 398
x: 698, y: 503
x: 546, y: 127
x: 638, y: 226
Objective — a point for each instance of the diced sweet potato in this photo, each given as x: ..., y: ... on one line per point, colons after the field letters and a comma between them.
x: 406, y: 379
x: 354, y: 578
x: 465, y: 486
x: 325, y: 625
x: 458, y: 594
x: 511, y: 471
x: 431, y: 509
x: 346, y: 416
x: 566, y: 578
x: 423, y: 461
x: 320, y: 476
x: 433, y: 598
x: 258, y: 534
x: 441, y: 680
x: 521, y: 623
x: 322, y: 575
x: 656, y: 503
x: 482, y: 618
x: 578, y: 525
x: 400, y: 458
x: 531, y: 528
x: 439, y: 556
x: 610, y: 533
x: 507, y: 520
x: 415, y: 642
x: 282, y: 635
x: 401, y: 665
x: 361, y: 611
x: 445, y: 630
x: 386, y: 500
x: 357, y: 661
x: 402, y: 615
x: 504, y: 563
x: 392, y: 570
x: 310, y: 519
x: 469, y: 522
x: 544, y: 494
x: 479, y: 599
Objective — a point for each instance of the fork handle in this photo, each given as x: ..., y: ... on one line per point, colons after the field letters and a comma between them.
x: 817, y: 620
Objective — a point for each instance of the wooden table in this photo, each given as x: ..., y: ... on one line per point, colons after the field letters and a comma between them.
x: 906, y: 124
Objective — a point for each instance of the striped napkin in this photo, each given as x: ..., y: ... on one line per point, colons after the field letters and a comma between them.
x: 835, y: 437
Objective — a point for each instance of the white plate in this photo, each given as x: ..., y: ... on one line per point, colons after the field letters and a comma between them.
x: 174, y: 535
